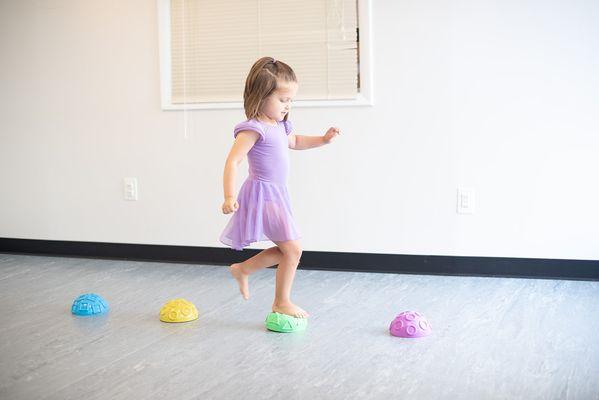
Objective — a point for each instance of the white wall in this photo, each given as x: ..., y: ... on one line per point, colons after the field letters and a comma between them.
x: 502, y: 96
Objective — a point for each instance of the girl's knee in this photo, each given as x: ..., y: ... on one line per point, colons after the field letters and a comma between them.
x: 294, y: 253
x: 291, y: 250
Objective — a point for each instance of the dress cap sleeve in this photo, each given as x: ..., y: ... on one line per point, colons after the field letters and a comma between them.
x: 288, y: 126
x: 249, y: 125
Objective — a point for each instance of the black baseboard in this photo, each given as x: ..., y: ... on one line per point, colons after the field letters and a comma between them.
x: 319, y: 260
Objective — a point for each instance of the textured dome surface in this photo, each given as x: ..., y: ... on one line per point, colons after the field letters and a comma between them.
x: 410, y: 324
x: 89, y: 304
x: 178, y: 310
x: 285, y: 323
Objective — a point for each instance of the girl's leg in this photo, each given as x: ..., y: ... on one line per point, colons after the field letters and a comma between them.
x: 241, y: 271
x: 291, y: 251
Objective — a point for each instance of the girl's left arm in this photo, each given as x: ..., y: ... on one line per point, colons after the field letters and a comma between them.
x: 301, y: 142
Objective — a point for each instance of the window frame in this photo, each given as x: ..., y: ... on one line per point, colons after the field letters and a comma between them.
x: 364, y: 97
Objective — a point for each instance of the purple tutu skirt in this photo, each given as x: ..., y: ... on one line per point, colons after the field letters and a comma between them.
x: 264, y: 213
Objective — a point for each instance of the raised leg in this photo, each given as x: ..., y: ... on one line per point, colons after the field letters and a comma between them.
x: 241, y: 271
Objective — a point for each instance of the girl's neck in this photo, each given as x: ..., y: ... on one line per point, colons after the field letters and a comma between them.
x: 266, y: 120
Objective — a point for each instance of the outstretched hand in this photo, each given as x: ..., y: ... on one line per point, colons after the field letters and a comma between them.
x: 331, y: 134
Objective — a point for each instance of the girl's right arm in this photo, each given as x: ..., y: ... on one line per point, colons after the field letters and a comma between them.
x: 244, y: 142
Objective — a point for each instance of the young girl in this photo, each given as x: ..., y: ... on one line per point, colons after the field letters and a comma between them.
x: 262, y: 209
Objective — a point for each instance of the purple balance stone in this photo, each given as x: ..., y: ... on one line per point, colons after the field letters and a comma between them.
x: 410, y: 324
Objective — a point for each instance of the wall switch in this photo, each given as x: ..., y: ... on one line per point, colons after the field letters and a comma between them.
x: 130, y: 189
x: 466, y: 201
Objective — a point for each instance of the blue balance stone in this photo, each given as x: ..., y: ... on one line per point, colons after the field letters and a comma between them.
x: 89, y: 304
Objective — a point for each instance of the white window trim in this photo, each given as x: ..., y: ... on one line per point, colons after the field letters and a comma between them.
x: 364, y: 97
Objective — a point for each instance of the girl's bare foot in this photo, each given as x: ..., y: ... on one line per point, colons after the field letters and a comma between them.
x: 242, y: 280
x: 290, y: 309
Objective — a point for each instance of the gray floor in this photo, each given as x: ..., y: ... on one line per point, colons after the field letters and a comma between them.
x: 493, y: 338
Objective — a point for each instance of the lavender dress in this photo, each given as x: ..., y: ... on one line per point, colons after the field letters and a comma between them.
x: 264, y: 207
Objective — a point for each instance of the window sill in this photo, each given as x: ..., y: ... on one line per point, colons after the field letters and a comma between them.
x: 360, y: 101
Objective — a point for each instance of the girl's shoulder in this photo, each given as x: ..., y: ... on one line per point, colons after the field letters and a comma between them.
x: 288, y: 126
x: 260, y: 127
x: 250, y: 125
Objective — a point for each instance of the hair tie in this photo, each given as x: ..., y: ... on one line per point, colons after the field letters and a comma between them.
x: 274, y: 60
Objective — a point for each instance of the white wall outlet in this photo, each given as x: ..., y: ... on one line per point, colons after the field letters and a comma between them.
x: 130, y: 189
x: 466, y: 200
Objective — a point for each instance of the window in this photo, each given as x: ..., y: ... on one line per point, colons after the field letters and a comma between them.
x: 207, y: 48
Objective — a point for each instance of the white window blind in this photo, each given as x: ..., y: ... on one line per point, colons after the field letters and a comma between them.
x: 214, y: 44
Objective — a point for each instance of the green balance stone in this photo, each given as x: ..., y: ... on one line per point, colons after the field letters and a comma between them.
x: 285, y: 323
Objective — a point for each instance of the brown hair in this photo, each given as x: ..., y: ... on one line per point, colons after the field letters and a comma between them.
x: 262, y: 81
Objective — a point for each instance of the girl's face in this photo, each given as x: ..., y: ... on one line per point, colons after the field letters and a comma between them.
x: 278, y: 104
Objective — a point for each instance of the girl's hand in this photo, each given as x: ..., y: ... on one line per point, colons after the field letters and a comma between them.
x: 331, y: 134
x: 230, y: 205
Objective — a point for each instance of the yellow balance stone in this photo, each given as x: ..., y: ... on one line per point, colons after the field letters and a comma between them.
x: 178, y: 310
